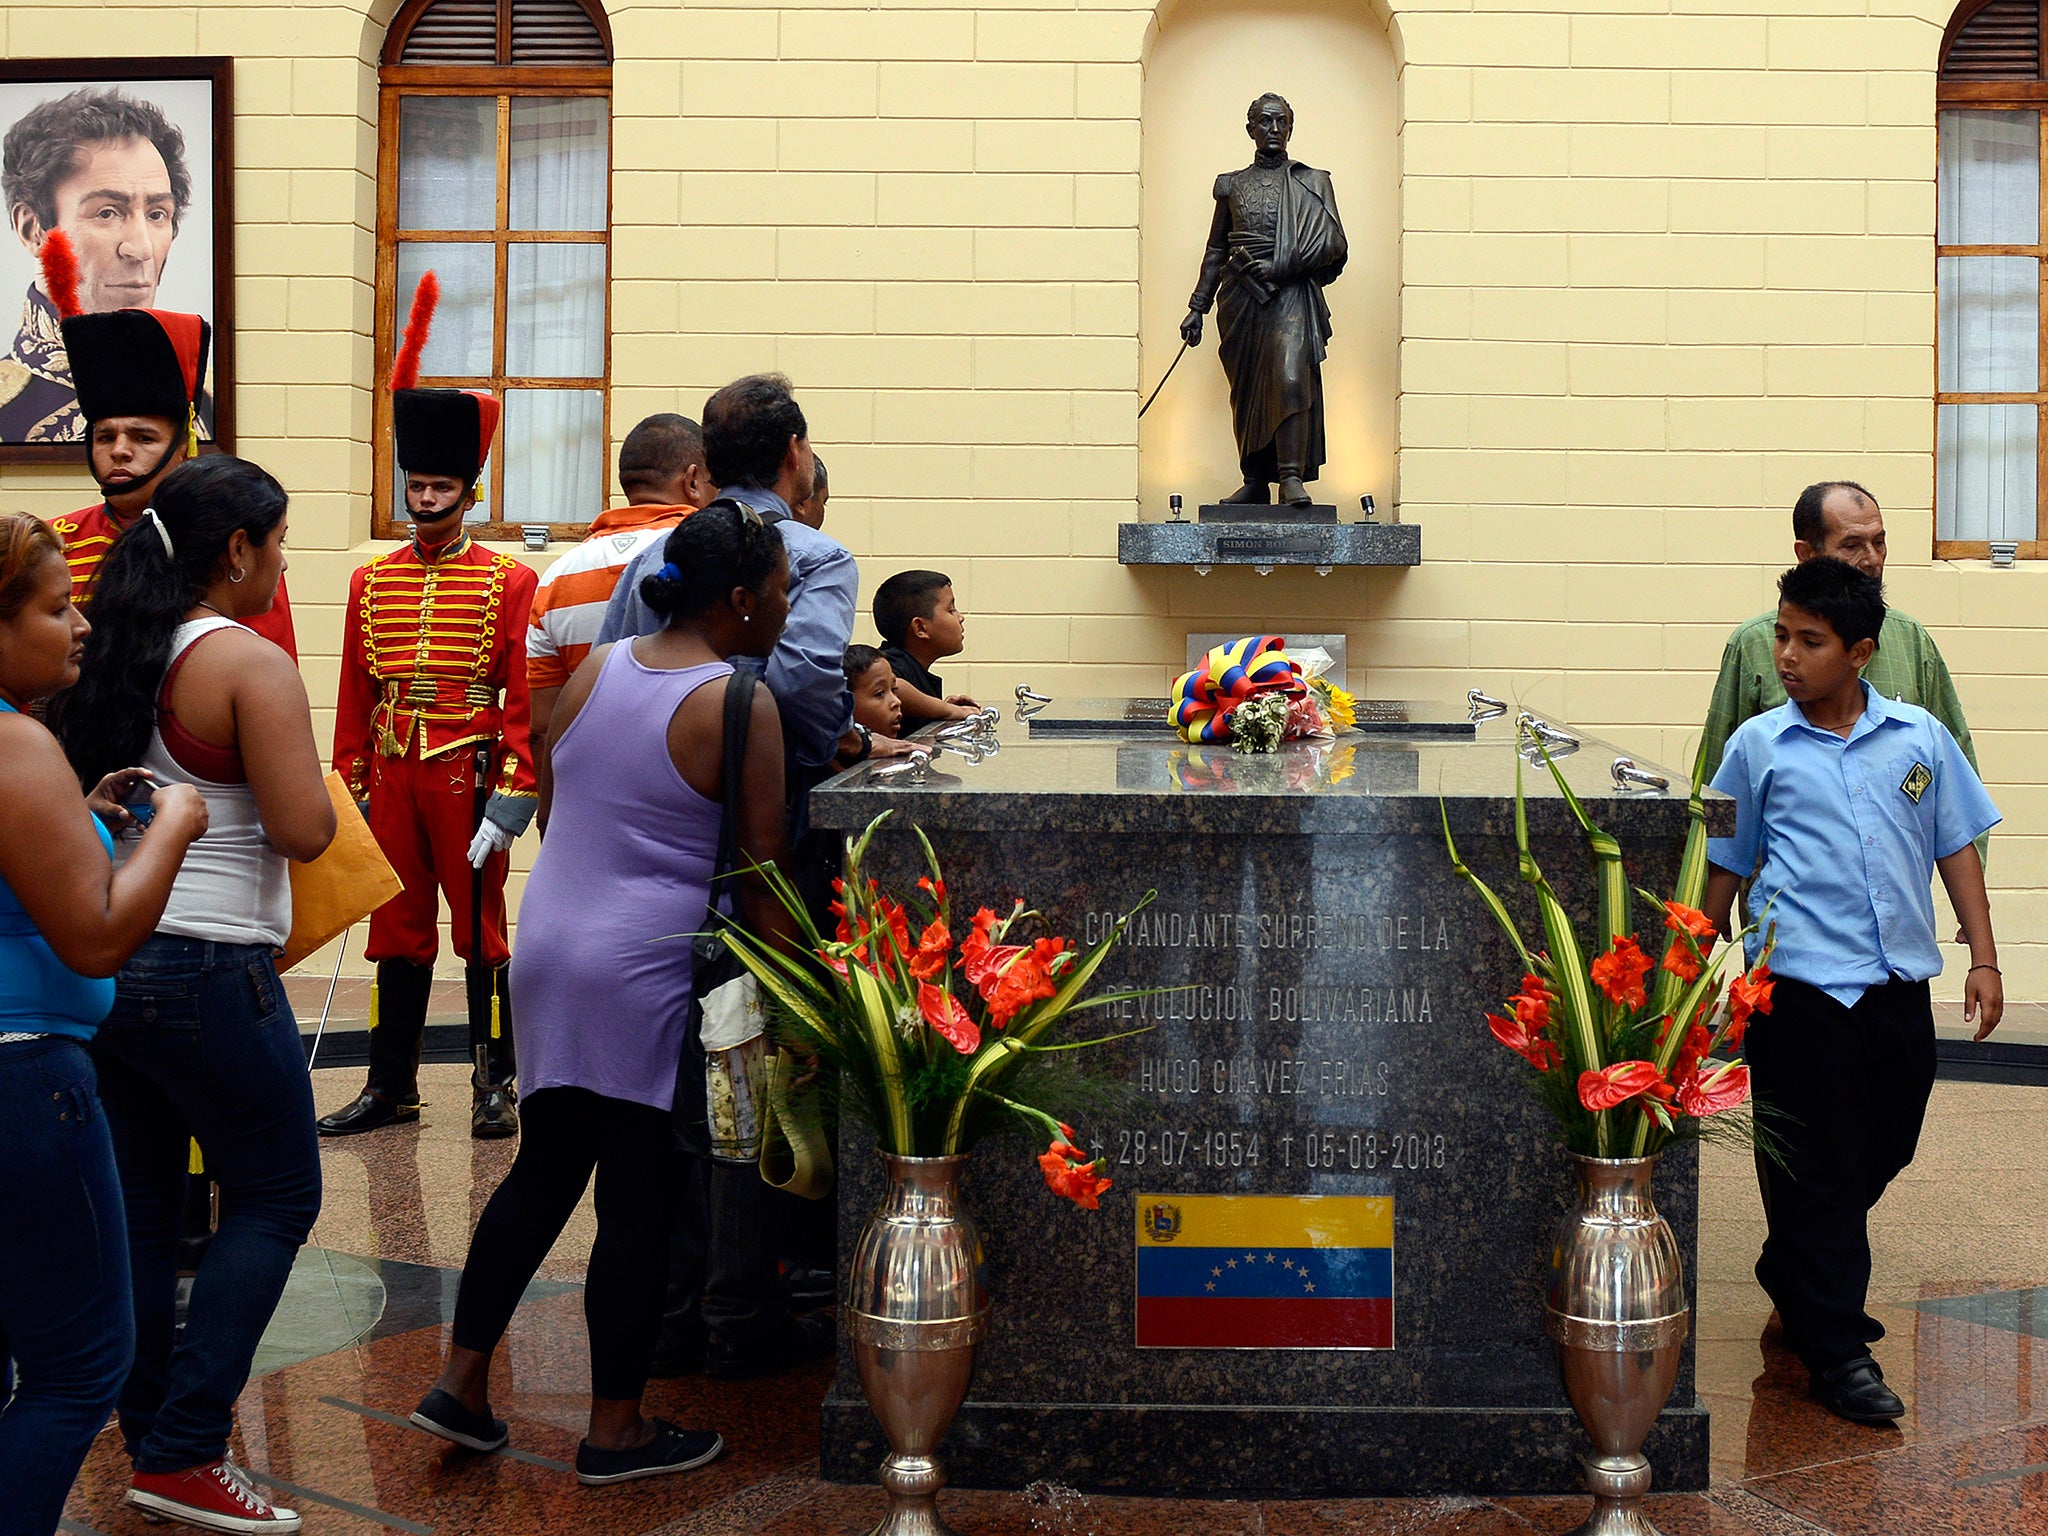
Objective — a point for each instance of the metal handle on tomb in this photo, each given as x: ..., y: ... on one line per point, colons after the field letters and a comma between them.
x: 1484, y: 706
x: 1629, y: 775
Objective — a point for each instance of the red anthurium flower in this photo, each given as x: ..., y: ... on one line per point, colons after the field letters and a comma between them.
x: 1067, y: 1176
x: 1534, y: 1047
x: 1724, y: 1087
x: 933, y: 946
x: 942, y: 1010
x: 1621, y: 1082
x: 1619, y: 973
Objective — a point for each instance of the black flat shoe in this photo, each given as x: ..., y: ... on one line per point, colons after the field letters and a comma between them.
x: 671, y: 1450
x: 494, y: 1116
x: 441, y: 1413
x: 1856, y: 1392
x: 371, y: 1112
x: 804, y: 1340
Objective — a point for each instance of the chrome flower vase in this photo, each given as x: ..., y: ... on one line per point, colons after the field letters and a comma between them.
x: 915, y: 1309
x: 1617, y: 1313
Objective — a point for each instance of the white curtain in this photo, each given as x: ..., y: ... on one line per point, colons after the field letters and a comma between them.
x: 553, y: 441
x: 1984, y: 471
x: 560, y: 162
x: 447, y: 162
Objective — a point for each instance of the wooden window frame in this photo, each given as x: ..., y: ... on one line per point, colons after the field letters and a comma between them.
x: 504, y: 81
x: 2015, y: 96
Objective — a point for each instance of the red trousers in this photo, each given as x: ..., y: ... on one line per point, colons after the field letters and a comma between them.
x: 423, y: 815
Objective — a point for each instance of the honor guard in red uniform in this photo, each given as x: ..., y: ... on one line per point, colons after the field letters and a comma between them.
x: 139, y: 375
x: 430, y: 728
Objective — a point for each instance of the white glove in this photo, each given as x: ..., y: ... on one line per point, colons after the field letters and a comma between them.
x: 490, y: 838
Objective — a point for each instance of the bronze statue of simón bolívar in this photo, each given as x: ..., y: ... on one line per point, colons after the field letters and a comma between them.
x: 1274, y: 244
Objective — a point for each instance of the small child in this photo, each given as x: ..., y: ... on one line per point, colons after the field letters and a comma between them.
x: 877, y: 712
x: 921, y: 624
x: 1846, y: 803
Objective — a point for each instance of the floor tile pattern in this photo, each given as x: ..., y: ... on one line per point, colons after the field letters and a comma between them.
x: 1961, y: 1285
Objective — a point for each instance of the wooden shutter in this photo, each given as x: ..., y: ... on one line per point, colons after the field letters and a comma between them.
x: 2002, y: 41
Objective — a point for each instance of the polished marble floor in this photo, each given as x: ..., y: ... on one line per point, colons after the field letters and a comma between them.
x: 1961, y: 1284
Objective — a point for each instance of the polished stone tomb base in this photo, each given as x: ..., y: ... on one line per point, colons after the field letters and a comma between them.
x: 1320, y: 1032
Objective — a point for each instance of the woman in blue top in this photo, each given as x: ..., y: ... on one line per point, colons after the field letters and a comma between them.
x: 68, y: 921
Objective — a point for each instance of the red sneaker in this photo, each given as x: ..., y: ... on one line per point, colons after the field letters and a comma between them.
x: 219, y: 1497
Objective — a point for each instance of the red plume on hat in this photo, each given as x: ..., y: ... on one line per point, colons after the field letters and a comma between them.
x: 60, y: 273
x: 405, y: 368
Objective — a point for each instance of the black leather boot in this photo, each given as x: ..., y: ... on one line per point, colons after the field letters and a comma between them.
x: 398, y: 1025
x: 494, y: 1102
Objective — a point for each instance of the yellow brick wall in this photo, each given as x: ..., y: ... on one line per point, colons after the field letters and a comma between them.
x: 1660, y: 263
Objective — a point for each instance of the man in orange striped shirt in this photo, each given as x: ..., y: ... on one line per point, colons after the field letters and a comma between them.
x: 661, y: 470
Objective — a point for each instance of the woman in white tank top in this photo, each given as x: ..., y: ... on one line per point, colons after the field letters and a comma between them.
x: 201, y: 1043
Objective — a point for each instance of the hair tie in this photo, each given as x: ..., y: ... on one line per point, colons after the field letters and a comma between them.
x: 161, y: 532
x: 670, y: 572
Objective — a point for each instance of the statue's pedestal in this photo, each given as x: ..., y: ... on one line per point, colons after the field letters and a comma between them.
x: 1265, y: 541
x: 1253, y: 512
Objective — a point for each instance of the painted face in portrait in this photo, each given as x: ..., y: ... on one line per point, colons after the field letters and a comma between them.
x: 121, y: 214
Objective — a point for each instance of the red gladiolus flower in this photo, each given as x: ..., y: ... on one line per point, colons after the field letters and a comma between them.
x: 837, y: 965
x: 1679, y: 962
x: 1747, y: 995
x: 1723, y: 1088
x: 1619, y: 973
x: 1621, y: 1082
x: 936, y: 888
x: 932, y: 947
x: 896, y: 929
x: 1067, y: 1176
x: 1534, y: 1047
x: 942, y: 1010
x: 1532, y: 1004
x: 1680, y: 918
x: 1018, y: 982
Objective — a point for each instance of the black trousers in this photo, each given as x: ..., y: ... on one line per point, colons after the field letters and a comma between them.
x: 1844, y: 1092
x: 565, y: 1134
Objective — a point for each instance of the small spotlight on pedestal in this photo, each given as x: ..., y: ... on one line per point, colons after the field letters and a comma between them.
x: 1365, y: 505
x: 1176, y: 506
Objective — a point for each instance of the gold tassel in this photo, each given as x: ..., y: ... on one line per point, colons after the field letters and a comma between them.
x: 496, y: 1032
x: 192, y: 433
x: 195, y: 1164
x: 373, y: 1005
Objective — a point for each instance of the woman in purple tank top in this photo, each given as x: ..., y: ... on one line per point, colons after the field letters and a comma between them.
x: 637, y: 748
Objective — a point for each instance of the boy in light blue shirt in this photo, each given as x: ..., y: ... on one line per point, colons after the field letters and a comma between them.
x: 1846, y: 805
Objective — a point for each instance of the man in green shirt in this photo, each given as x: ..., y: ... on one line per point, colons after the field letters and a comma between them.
x: 1839, y: 518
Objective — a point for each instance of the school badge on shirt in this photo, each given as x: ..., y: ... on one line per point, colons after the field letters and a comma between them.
x: 1915, y: 783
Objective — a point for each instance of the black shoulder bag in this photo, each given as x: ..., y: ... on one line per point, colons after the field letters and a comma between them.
x: 713, y: 963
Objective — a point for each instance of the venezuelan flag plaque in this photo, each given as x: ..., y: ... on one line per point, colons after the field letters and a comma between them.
x: 1265, y: 1272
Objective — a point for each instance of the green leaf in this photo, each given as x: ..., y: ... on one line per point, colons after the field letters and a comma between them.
x: 878, y: 1022
x: 1494, y: 903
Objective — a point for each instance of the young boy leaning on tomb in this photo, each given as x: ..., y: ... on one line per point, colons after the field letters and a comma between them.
x: 921, y: 624
x: 1846, y: 805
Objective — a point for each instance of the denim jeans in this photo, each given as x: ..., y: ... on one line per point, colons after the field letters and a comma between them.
x: 64, y: 1309
x: 202, y: 1044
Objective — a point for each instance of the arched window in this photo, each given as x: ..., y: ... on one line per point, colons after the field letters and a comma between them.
x: 494, y: 170
x: 1989, y: 259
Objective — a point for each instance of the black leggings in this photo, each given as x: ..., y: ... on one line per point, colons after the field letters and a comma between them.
x: 564, y: 1134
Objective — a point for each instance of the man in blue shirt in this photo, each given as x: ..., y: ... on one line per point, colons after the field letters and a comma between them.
x: 757, y: 450
x: 1846, y: 804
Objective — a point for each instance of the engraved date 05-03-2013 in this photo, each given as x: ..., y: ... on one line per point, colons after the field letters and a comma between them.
x: 1365, y: 1151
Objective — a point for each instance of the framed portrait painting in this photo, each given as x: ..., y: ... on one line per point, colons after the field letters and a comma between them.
x: 132, y: 159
